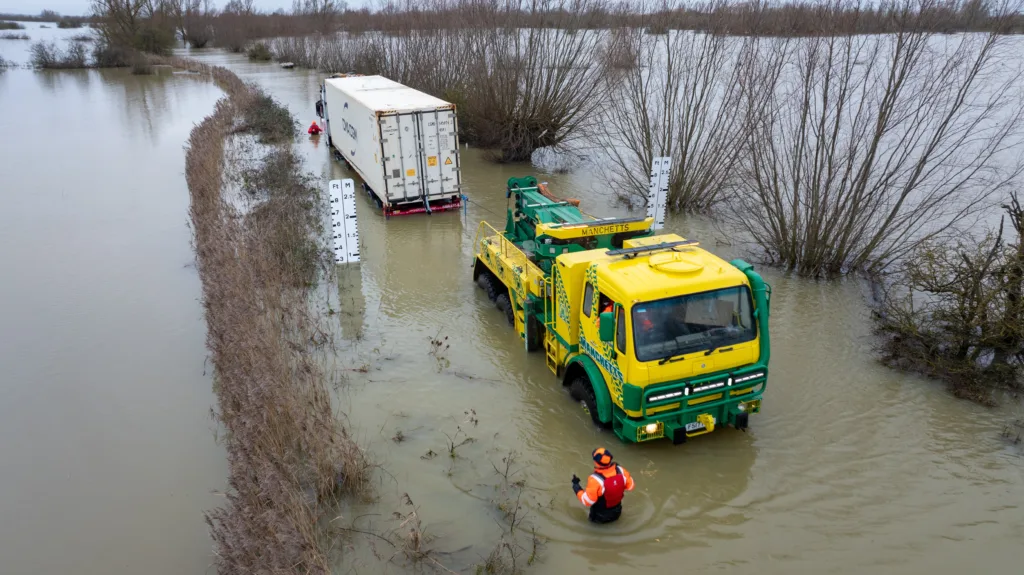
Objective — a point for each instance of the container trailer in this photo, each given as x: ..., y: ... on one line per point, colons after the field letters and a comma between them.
x: 403, y: 143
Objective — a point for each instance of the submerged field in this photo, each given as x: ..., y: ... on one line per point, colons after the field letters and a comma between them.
x: 850, y: 466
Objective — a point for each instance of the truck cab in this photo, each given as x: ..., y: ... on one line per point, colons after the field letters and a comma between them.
x: 655, y: 336
x: 674, y: 333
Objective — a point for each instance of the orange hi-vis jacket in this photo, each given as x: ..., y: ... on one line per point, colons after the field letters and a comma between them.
x: 596, y: 492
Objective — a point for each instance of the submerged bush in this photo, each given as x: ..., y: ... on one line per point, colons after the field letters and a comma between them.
x: 13, y: 36
x: 269, y: 120
x: 105, y: 55
x: 260, y: 52
x: 11, y: 26
x: 49, y: 55
x: 956, y: 312
x: 154, y: 39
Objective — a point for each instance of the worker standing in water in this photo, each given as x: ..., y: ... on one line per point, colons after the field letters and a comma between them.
x: 314, y: 133
x: 605, y: 488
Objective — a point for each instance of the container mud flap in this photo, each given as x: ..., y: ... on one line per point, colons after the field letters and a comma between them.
x: 601, y: 395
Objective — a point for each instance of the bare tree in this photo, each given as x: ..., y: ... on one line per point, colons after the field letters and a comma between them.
x: 531, y: 87
x: 235, y: 27
x: 871, y: 145
x: 517, y: 88
x: 322, y: 15
x: 679, y: 95
x: 144, y: 25
x: 194, y: 20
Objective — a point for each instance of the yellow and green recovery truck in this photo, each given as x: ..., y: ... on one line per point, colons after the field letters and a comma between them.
x: 655, y: 336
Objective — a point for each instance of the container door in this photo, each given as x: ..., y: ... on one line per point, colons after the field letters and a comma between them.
x: 402, y: 156
x: 440, y: 153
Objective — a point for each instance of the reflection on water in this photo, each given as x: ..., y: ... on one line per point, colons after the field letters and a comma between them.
x: 145, y: 98
x: 352, y: 305
x: 72, y: 83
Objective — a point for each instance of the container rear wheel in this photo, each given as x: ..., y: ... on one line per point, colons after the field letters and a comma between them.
x: 583, y: 391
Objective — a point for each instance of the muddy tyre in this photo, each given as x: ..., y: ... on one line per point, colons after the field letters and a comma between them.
x: 534, y: 333
x: 486, y: 283
x: 505, y: 305
x: 582, y: 390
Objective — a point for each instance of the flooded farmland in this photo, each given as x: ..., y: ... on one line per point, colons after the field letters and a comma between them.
x: 110, y: 455
x: 107, y: 443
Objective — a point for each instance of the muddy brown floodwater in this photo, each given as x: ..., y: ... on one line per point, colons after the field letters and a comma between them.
x: 107, y: 453
x: 108, y: 456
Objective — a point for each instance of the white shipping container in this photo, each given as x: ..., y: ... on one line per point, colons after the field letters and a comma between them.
x: 402, y: 143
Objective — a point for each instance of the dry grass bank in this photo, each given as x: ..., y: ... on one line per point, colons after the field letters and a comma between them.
x: 290, y: 458
x: 292, y: 463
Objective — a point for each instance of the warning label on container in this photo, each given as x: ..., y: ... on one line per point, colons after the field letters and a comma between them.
x: 410, y: 172
x: 431, y: 161
x: 448, y: 162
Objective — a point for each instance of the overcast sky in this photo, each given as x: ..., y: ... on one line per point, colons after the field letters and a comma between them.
x: 79, y: 7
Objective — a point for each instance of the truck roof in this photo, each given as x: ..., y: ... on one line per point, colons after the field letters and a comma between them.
x: 660, y: 274
x: 384, y: 95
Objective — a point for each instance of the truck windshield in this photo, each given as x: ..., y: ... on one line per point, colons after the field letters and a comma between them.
x: 686, y: 324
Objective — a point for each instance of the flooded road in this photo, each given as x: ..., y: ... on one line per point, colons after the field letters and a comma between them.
x: 849, y: 467
x: 106, y: 443
x: 109, y: 454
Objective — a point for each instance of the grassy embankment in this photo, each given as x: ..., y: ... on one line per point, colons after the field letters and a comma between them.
x: 290, y: 458
x: 292, y: 462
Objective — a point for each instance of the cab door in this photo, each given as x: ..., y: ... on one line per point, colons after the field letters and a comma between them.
x: 622, y: 347
x: 614, y: 353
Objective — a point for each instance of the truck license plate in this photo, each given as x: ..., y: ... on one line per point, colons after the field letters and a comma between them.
x: 694, y: 426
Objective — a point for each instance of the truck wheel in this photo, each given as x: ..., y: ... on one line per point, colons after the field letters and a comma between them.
x: 486, y: 282
x: 505, y: 304
x: 582, y: 390
x: 534, y: 333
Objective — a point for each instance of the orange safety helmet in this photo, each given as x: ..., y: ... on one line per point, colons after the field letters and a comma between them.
x: 602, y: 458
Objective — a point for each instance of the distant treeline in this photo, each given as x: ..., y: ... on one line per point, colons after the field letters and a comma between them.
x: 239, y: 22
x: 46, y: 16
x: 765, y: 18
x: 802, y: 18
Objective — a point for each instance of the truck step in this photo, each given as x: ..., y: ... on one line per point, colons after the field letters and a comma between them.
x: 551, y: 351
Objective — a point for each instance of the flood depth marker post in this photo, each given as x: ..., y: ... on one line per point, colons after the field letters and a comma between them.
x: 344, y: 228
x: 657, y: 195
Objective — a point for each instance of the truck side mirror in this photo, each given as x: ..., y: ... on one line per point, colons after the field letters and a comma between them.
x: 606, y: 327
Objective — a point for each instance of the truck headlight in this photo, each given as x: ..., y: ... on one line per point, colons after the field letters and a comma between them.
x: 742, y: 407
x: 651, y: 428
